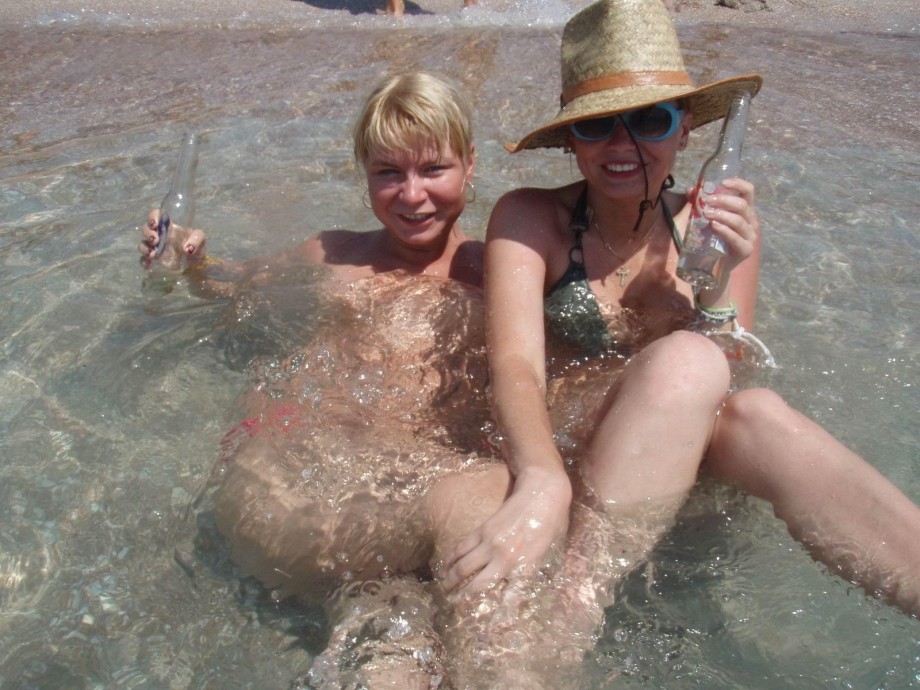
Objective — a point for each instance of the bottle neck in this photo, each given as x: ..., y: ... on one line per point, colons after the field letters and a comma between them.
x: 735, y: 124
x: 184, y: 177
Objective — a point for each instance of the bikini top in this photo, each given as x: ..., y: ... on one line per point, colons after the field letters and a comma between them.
x: 573, y: 315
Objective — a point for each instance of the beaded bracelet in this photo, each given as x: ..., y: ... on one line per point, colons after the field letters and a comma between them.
x: 718, y: 316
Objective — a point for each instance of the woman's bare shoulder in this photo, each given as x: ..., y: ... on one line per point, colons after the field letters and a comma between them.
x: 329, y: 246
x: 537, y: 214
x: 530, y: 199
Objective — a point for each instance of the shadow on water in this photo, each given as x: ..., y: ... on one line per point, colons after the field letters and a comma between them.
x: 356, y: 7
x: 352, y: 6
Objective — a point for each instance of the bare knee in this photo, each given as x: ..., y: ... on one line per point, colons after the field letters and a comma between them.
x: 273, y: 536
x: 684, y: 366
x: 657, y: 421
x: 757, y: 408
x: 692, y: 353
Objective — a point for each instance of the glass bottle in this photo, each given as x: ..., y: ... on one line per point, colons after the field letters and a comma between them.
x: 179, y: 203
x: 702, y: 255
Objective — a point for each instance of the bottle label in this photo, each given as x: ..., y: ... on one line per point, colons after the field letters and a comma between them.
x: 701, y: 197
x: 699, y: 236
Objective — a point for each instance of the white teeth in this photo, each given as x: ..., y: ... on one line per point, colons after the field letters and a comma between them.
x: 416, y: 216
x: 621, y: 167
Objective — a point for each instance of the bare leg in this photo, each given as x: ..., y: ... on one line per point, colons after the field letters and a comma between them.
x: 643, y: 461
x: 297, y: 540
x: 382, y: 637
x: 601, y: 550
x: 841, y: 508
x: 657, y: 423
x: 506, y: 637
x: 396, y: 7
x: 385, y: 631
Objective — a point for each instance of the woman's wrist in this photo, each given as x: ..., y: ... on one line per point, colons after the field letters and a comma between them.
x: 717, y: 297
x: 717, y: 316
x: 545, y: 479
x: 715, y: 307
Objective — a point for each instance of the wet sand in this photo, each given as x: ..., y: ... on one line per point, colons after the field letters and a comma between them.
x: 894, y: 16
x: 114, y: 65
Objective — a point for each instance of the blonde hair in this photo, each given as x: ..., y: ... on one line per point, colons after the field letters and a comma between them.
x: 412, y: 110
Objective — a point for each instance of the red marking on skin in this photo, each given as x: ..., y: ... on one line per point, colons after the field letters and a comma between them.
x: 283, y: 419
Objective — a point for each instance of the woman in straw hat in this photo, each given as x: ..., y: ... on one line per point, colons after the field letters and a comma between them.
x: 595, y: 262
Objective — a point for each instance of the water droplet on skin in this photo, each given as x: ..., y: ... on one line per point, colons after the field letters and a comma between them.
x: 401, y: 628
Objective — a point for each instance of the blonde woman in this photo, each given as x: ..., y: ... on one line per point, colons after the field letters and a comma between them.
x: 362, y: 458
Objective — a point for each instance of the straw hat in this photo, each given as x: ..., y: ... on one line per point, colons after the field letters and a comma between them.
x: 618, y: 55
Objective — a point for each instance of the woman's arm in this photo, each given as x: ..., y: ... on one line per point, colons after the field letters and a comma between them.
x: 534, y: 516
x: 186, y: 250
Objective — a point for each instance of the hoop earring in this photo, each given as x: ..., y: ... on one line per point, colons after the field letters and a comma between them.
x: 366, y: 199
x: 470, y: 188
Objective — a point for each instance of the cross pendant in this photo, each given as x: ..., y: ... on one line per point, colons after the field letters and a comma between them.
x: 623, y: 272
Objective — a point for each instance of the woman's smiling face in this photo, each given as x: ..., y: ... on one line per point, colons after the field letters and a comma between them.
x: 418, y: 194
x: 613, y: 165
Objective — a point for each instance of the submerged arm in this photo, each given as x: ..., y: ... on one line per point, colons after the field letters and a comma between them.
x: 209, y: 278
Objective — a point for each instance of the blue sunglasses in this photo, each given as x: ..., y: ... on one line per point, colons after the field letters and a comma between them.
x: 655, y: 123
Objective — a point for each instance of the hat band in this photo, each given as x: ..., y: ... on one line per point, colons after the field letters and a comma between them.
x: 621, y: 79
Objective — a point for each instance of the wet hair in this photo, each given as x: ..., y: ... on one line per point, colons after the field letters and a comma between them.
x: 413, y: 110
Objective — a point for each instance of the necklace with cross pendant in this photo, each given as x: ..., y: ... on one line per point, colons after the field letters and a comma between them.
x: 623, y: 271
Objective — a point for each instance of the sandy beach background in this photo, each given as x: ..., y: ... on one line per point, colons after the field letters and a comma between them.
x: 896, y: 16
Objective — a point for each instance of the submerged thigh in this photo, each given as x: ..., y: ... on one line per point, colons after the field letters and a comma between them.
x: 296, y: 539
x: 459, y: 503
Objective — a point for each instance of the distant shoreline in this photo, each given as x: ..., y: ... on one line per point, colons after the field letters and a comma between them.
x: 899, y: 17
x: 895, y: 16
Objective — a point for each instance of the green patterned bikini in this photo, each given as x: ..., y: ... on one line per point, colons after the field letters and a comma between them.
x: 573, y: 315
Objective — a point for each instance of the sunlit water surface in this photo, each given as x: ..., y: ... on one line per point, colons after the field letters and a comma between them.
x: 113, y: 397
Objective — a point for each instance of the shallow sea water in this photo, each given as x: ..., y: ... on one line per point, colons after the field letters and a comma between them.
x: 113, y: 397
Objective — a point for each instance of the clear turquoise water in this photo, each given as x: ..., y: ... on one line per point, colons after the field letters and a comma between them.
x: 113, y: 398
